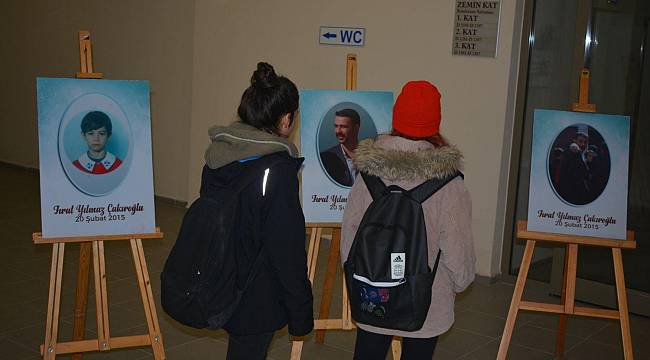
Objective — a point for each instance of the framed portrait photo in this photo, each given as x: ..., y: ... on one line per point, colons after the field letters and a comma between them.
x: 579, y: 174
x: 332, y: 122
x: 96, y: 173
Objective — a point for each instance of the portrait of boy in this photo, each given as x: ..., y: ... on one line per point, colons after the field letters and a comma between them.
x: 96, y: 130
x: 88, y: 157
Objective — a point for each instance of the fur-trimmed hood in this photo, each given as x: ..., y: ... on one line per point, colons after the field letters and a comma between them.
x: 396, y: 159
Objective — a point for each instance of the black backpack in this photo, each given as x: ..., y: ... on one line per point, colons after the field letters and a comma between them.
x: 388, y: 277
x: 199, y: 285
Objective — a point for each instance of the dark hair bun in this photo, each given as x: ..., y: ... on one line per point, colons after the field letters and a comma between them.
x: 267, y: 99
x: 264, y: 77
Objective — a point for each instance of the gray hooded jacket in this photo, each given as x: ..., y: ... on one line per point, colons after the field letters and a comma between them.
x: 240, y: 141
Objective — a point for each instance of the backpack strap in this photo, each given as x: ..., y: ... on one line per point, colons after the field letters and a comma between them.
x: 374, y: 185
x: 424, y: 191
x: 435, y: 265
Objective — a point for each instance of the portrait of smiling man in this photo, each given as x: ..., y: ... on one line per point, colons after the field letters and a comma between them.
x: 337, y: 160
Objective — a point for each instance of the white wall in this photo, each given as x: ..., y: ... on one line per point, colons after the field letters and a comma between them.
x: 149, y: 40
x: 404, y: 41
x: 199, y: 56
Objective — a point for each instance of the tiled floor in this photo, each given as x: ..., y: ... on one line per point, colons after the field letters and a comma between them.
x: 480, y: 311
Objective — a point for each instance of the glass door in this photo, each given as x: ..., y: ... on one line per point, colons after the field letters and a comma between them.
x: 620, y: 70
x: 551, y: 72
x: 609, y: 37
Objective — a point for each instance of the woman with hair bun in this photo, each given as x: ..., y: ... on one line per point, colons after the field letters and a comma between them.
x: 270, y: 222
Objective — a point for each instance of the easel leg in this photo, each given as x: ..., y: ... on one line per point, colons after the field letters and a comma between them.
x: 101, y: 295
x: 54, y: 302
x: 347, y: 312
x: 81, y: 299
x: 296, y: 348
x: 147, y: 299
x: 568, y: 294
x: 572, y: 268
x: 312, y: 253
x: 330, y: 275
x: 622, y: 304
x: 312, y: 258
x: 516, y: 299
x: 396, y: 348
x: 561, y: 326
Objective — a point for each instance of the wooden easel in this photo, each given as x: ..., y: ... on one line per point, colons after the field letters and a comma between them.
x: 95, y: 245
x: 345, y: 322
x: 567, y: 306
x: 315, y: 233
x: 104, y: 341
x: 86, y: 58
x: 583, y: 104
x: 85, y: 248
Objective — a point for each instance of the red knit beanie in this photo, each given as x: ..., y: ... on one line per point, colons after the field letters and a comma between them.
x: 417, y: 110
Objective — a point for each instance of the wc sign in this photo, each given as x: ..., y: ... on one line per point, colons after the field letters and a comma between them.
x: 342, y: 36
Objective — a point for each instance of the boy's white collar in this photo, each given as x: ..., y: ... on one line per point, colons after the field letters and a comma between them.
x: 89, y: 163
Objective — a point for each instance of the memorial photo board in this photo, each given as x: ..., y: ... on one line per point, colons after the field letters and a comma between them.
x: 326, y: 125
x: 579, y: 174
x: 95, y: 157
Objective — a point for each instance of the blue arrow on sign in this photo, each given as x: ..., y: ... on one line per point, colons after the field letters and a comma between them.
x: 329, y: 35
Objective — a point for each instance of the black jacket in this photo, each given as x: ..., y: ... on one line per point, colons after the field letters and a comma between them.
x: 336, y: 166
x: 574, y: 177
x: 270, y: 220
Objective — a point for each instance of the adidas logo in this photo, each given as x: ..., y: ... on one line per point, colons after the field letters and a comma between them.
x: 398, y: 259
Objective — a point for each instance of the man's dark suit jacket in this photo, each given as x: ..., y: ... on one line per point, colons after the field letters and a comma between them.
x: 334, y: 162
x: 574, y: 176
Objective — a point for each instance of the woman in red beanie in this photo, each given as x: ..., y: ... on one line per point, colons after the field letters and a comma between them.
x: 413, y: 153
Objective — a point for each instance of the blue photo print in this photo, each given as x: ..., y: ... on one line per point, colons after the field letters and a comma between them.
x: 332, y: 122
x: 95, y: 157
x: 579, y: 174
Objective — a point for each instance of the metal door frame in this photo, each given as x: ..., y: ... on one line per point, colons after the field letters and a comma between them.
x: 596, y: 292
